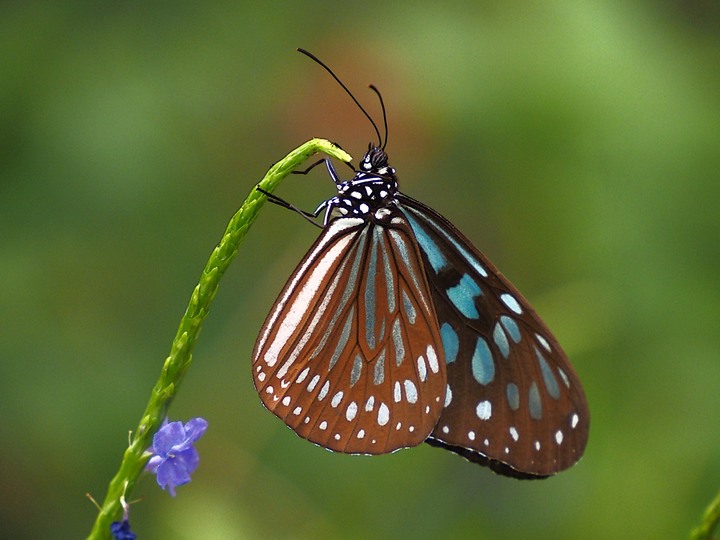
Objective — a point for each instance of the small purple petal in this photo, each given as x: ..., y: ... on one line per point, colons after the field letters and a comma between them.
x: 167, y: 437
x: 190, y: 459
x: 175, y: 458
x: 121, y: 530
x: 176, y: 472
x: 195, y: 428
x: 153, y: 463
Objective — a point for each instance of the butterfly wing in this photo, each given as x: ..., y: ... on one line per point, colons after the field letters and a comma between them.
x: 349, y: 356
x: 514, y: 402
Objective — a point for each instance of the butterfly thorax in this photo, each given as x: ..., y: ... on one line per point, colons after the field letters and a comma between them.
x: 373, y: 187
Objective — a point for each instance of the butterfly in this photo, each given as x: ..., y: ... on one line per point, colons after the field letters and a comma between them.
x: 395, y: 330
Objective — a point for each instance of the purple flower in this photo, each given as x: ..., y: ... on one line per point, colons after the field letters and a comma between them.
x: 174, y: 456
x: 121, y: 530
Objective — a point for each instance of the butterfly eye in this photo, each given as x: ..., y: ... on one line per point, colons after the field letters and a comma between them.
x: 378, y: 158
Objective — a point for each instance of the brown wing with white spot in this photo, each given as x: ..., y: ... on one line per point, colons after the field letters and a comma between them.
x: 514, y: 402
x: 350, y: 357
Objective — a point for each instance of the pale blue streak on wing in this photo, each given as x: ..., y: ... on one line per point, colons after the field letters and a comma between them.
x: 430, y: 248
x: 346, y: 294
x: 513, y: 396
x: 409, y: 308
x: 548, y: 378
x: 450, y: 341
x: 344, y: 337
x: 483, y: 367
x: 440, y: 260
x: 356, y: 370
x: 534, y: 402
x: 398, y: 342
x: 511, y: 327
x: 418, y: 281
x: 463, y: 296
x: 389, y: 278
x: 501, y: 340
x: 379, y: 374
x: 369, y: 284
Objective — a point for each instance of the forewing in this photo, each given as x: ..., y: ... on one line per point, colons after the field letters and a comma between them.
x: 514, y: 403
x: 349, y: 356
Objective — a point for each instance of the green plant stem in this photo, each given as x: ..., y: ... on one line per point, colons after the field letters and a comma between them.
x: 177, y: 363
x: 710, y: 520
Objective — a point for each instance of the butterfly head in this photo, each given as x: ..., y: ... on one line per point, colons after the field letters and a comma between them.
x: 375, y: 162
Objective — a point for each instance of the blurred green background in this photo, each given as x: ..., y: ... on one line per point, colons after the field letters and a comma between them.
x: 577, y: 144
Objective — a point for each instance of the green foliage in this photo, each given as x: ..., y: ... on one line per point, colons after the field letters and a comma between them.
x: 575, y: 143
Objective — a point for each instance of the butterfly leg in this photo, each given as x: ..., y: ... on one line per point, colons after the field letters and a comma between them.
x: 310, y: 216
x: 325, y: 206
x: 311, y: 167
x: 331, y: 169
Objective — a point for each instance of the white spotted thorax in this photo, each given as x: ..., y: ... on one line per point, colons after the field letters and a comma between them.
x: 371, y: 189
x: 395, y: 330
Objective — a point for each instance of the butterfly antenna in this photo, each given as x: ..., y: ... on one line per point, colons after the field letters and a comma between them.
x: 317, y: 60
x: 382, y: 106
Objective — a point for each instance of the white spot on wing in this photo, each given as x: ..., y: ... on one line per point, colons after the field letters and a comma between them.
x: 432, y: 359
x: 411, y: 393
x: 510, y: 301
x: 337, y: 398
x: 422, y: 368
x: 324, y: 391
x: 448, y: 396
x: 565, y: 379
x: 303, y: 375
x: 484, y: 410
x: 543, y: 342
x: 351, y: 411
x: 383, y: 414
x: 313, y: 383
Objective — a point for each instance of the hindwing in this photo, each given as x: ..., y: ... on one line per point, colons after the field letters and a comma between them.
x: 514, y: 401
